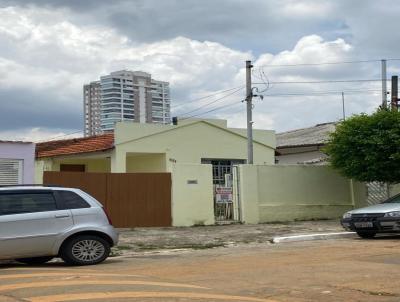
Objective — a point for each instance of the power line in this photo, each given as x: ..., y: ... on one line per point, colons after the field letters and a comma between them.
x: 213, y: 102
x: 321, y: 82
x: 212, y: 110
x: 319, y: 93
x: 59, y: 136
x: 325, y: 63
x: 201, y: 98
x: 286, y: 95
x: 294, y: 94
x: 207, y: 96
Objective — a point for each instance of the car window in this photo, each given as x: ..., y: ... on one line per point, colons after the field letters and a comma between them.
x: 71, y: 200
x: 26, y: 203
x: 395, y: 199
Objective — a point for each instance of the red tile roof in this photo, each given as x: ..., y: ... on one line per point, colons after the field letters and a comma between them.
x: 75, y: 146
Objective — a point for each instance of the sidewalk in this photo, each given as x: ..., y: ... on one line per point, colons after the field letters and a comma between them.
x: 148, y: 239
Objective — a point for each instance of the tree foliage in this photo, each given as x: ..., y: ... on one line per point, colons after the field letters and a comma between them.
x: 367, y: 147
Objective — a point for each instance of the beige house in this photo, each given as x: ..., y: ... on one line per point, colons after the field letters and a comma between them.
x: 197, y: 153
x: 303, y: 146
x: 138, y: 147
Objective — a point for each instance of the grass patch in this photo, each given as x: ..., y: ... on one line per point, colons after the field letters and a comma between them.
x: 199, y: 246
x: 115, y: 253
x: 124, y: 247
x: 194, y: 246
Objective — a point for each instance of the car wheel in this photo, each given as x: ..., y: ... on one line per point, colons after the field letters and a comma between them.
x: 35, y: 260
x: 366, y: 234
x: 85, y: 250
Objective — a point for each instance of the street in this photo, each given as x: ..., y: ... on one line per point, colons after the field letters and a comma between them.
x: 331, y: 270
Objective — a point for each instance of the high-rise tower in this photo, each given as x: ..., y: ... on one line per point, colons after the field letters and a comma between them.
x: 129, y: 96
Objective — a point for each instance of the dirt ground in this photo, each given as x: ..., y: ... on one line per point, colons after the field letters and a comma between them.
x: 204, y: 237
x: 338, y: 270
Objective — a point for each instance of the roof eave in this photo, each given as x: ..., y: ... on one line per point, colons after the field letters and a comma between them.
x: 302, y: 145
x: 75, y: 154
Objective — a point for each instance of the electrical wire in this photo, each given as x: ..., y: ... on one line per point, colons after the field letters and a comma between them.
x: 59, y: 136
x: 202, y: 98
x: 206, y: 97
x: 319, y: 93
x: 212, y: 110
x: 213, y: 102
x: 325, y: 63
x: 262, y: 77
x: 322, y: 82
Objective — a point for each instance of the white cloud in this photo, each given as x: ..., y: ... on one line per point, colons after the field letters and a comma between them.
x: 46, y: 51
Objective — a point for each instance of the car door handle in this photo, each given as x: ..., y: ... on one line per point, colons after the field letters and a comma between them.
x: 62, y: 216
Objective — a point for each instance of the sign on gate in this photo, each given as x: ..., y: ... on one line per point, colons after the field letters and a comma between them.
x: 223, y: 194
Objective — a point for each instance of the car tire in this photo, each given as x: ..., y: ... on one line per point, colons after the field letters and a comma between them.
x: 366, y: 235
x: 85, y: 250
x: 35, y: 260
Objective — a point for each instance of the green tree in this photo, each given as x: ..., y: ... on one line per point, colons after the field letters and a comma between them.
x: 367, y: 147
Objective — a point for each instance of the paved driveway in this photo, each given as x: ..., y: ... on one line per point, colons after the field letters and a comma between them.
x: 332, y: 270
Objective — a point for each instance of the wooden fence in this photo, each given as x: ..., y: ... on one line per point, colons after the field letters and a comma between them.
x: 131, y: 199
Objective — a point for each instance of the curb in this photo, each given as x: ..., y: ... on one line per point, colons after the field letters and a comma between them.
x: 310, y: 237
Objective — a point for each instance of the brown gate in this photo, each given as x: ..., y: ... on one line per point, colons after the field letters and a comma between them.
x: 131, y: 199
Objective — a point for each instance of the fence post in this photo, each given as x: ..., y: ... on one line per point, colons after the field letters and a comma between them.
x: 352, y: 193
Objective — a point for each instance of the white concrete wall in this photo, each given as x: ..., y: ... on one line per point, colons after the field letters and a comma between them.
x: 286, y: 193
x: 192, y: 203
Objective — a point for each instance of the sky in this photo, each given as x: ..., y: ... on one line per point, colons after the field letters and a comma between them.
x: 50, y: 48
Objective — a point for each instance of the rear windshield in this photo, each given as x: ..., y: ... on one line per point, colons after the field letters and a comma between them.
x: 395, y: 199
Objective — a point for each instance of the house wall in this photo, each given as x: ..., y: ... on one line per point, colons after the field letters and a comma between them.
x: 301, y: 158
x: 21, y: 151
x: 286, y: 193
x: 53, y: 164
x: 192, y: 203
x: 146, y: 163
x: 300, y: 155
x: 190, y: 144
x: 91, y: 165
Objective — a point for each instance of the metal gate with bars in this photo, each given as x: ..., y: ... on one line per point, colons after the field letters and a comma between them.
x: 377, y: 192
x: 225, y: 178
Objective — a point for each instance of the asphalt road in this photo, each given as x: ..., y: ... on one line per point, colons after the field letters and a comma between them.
x: 331, y: 270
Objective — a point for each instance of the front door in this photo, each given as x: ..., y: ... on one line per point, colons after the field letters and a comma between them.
x: 30, y: 223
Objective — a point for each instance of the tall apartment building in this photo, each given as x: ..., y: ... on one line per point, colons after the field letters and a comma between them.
x: 92, y: 108
x: 127, y: 96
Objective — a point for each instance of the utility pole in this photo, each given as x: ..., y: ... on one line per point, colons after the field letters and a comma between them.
x: 344, y: 113
x: 249, y: 105
x: 384, y: 80
x: 394, y: 102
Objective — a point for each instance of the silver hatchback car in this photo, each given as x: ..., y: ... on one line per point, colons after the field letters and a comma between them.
x: 38, y: 223
x: 379, y: 218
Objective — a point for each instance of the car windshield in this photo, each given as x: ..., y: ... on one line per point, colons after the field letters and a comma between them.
x: 395, y: 199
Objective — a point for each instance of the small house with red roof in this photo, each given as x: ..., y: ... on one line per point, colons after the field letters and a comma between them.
x: 135, y: 147
x: 198, y: 154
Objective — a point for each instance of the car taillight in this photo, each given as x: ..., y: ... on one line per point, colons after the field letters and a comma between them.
x: 108, y: 216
